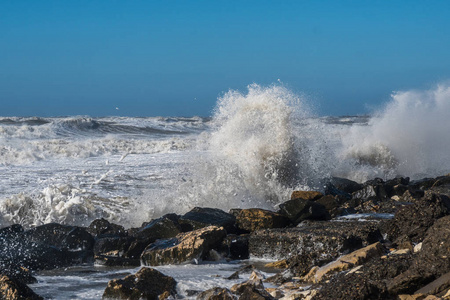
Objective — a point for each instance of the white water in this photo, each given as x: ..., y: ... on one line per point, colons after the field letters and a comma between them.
x: 258, y: 147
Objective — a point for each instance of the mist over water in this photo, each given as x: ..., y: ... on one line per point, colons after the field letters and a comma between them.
x: 259, y: 145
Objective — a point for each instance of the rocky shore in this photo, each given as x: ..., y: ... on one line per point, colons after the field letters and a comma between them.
x: 376, y: 240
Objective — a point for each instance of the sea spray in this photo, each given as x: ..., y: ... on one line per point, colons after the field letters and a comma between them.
x: 249, y: 158
x: 409, y: 137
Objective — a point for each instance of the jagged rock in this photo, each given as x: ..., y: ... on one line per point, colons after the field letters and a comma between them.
x: 298, y: 210
x: 254, y: 218
x: 326, y: 239
x: 412, y: 221
x: 252, y: 288
x: 100, y: 228
x: 442, y: 284
x: 368, y: 282
x: 162, y: 228
x: 346, y: 185
x: 185, y: 247
x: 349, y: 261
x: 119, y: 245
x: 61, y: 236
x: 200, y: 217
x: 244, y: 270
x: 111, y: 261
x: 306, y: 195
x: 147, y: 283
x: 17, y: 272
x: 46, y: 247
x: 332, y: 205
x: 13, y: 289
x: 235, y: 246
x: 216, y: 293
x: 279, y: 264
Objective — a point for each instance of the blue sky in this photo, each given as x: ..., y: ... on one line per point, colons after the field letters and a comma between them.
x: 152, y: 58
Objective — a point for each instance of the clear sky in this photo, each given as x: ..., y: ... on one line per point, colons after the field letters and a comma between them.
x: 174, y: 58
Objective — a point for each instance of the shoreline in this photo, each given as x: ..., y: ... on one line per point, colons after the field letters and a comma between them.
x: 314, y: 243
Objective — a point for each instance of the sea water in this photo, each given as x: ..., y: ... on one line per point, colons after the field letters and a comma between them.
x: 256, y: 148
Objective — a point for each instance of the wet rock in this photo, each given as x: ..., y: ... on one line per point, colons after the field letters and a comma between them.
x: 254, y: 218
x: 147, y: 283
x: 252, y: 288
x: 244, y: 270
x: 46, y: 247
x: 200, y: 217
x: 326, y: 239
x: 412, y: 221
x: 189, y: 246
x: 298, y: 210
x: 346, y: 185
x: 61, y: 236
x: 349, y: 261
x: 117, y: 245
x: 368, y: 282
x: 306, y: 195
x: 333, y: 205
x: 100, y: 228
x: 11, y: 289
x: 161, y: 228
x: 442, y: 284
x: 111, y: 261
x: 235, y: 246
x: 17, y: 272
x: 216, y: 293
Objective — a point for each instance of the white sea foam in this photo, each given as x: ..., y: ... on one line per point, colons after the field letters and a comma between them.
x: 409, y: 137
x: 62, y: 204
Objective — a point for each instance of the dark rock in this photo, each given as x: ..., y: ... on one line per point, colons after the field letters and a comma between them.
x: 254, y: 218
x: 346, y: 185
x: 329, y: 239
x: 112, y: 261
x: 61, y: 236
x: 436, y: 287
x: 216, y: 293
x: 412, y: 221
x: 147, y: 283
x: 194, y: 245
x: 298, y: 210
x: 11, y: 289
x: 46, y: 247
x: 100, y: 228
x: 235, y: 246
x: 369, y: 282
x: 161, y: 228
x: 110, y: 245
x: 332, y: 205
x: 17, y: 272
x: 200, y: 217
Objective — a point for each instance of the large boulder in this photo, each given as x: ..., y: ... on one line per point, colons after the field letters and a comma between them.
x: 255, y: 218
x: 101, y: 228
x: 147, y: 283
x: 326, y: 239
x: 185, y: 247
x: 216, y: 293
x: 411, y: 222
x: 298, y: 210
x: 162, y: 228
x: 200, y: 217
x: 13, y: 289
x: 46, y: 247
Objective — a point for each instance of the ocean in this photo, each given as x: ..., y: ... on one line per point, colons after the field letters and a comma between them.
x: 255, y: 149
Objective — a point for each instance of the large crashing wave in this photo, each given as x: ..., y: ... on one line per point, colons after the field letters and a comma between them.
x: 410, y: 137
